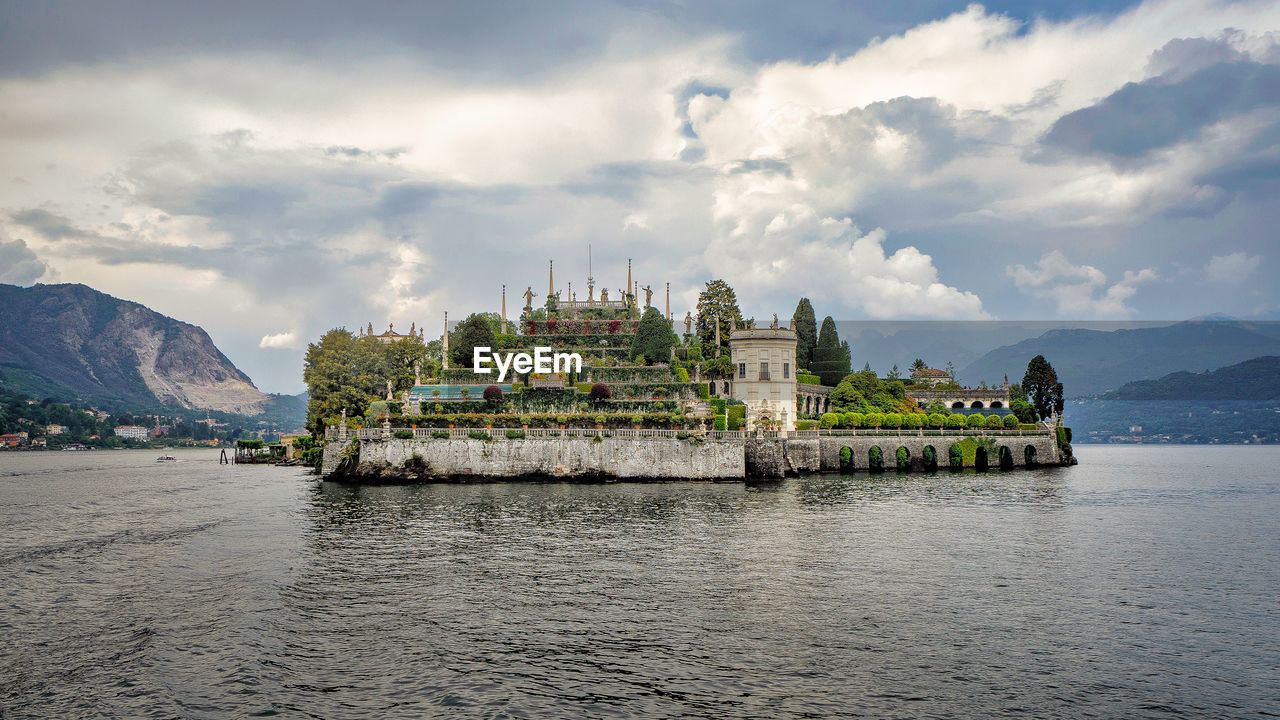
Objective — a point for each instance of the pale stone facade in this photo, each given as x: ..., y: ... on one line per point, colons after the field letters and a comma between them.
x: 764, y: 375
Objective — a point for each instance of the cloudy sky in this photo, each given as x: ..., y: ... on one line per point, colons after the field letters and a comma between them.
x: 271, y: 172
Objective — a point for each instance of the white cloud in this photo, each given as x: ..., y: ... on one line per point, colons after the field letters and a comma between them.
x: 288, y: 339
x: 1232, y: 268
x: 18, y: 265
x: 1075, y: 287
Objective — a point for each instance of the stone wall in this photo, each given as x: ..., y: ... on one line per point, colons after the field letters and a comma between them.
x: 1046, y: 450
x: 583, y: 457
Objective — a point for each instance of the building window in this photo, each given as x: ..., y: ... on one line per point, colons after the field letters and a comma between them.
x: 742, y: 371
x: 764, y: 371
x: 786, y: 371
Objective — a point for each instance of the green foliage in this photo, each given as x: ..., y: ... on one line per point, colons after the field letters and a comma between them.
x: 806, y: 326
x: 737, y: 416
x: 830, y: 360
x: 929, y: 457
x: 716, y: 300
x: 846, y: 459
x: 937, y: 420
x: 717, y: 405
x: 828, y: 420
x: 903, y: 456
x: 806, y: 424
x: 993, y: 422
x: 515, y: 434
x: 719, y: 422
x: 250, y: 444
x: 874, y: 420
x: 955, y: 422
x: 875, y: 459
x: 654, y: 338
x: 864, y: 392
x: 704, y: 392
x: 476, y: 330
x: 1044, y: 392
x: 682, y: 375
x: 1023, y: 410
x: 974, y: 421
x: 440, y: 434
x: 893, y: 420
x: 479, y: 435
x: 1010, y: 422
x: 416, y: 462
x: 808, y: 379
x: 403, y: 434
x: 955, y: 458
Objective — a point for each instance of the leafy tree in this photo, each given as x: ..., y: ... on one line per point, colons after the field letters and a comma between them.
x: 1023, y: 410
x: 475, y: 331
x: 1044, y: 392
x: 974, y: 421
x: 493, y: 394
x: 806, y: 326
x: 937, y: 420
x: 716, y: 299
x: 1017, y: 393
x: 336, y: 371
x: 894, y: 374
x: 830, y: 358
x: 1010, y: 422
x: 600, y: 391
x: 955, y: 422
x: 653, y: 339
x: 918, y: 364
x: 951, y: 371
x: 402, y: 357
x: 993, y: 422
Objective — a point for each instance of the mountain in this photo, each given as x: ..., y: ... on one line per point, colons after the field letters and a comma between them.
x: 1089, y: 362
x: 98, y: 346
x: 1253, y: 380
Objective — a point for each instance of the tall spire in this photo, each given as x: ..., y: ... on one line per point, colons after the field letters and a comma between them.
x: 444, y: 355
x: 668, y: 301
x: 551, y: 278
x: 504, y: 309
x: 628, y: 273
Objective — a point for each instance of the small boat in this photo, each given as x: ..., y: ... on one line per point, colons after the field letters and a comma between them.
x: 166, y: 459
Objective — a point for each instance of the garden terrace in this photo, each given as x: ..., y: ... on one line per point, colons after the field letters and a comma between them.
x: 547, y: 420
x: 596, y: 328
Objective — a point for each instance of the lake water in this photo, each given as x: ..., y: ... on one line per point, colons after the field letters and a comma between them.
x: 1142, y: 583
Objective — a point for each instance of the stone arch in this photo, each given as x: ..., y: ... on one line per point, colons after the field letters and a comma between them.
x: 875, y: 459
x: 980, y: 461
x: 996, y: 404
x: 1006, y: 458
x: 1029, y: 455
x: 957, y: 405
x: 726, y: 387
x: 902, y: 458
x: 976, y: 405
x: 846, y: 459
x: 714, y: 387
x: 929, y: 458
x: 955, y: 458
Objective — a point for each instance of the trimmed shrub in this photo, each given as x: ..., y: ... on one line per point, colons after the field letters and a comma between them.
x: 829, y: 420
x: 440, y: 434
x: 875, y: 459
x: 403, y: 434
x: 704, y: 392
x: 903, y: 457
x: 856, y: 420
x: 493, y: 394
x: 600, y: 391
x: 955, y: 422
x: 993, y: 422
x: 893, y: 420
x: 717, y: 406
x: 955, y: 460
x: 806, y: 424
x: 1010, y: 422
x: 875, y: 420
x: 682, y: 375
x: 808, y: 379
x: 737, y: 417
x: 937, y: 421
x: 719, y: 423
x: 515, y: 434
x: 974, y: 421
x: 479, y: 435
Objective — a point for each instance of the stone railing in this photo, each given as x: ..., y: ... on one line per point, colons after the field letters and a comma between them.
x: 920, y: 432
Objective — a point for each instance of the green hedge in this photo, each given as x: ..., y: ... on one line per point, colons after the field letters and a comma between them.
x: 611, y: 420
x: 806, y: 424
x: 718, y: 406
x: 808, y: 379
x: 658, y: 374
x: 719, y: 423
x: 736, y: 416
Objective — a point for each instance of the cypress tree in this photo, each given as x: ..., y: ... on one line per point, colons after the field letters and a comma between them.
x: 806, y: 327
x: 830, y: 357
x: 654, y: 338
x: 1044, y: 392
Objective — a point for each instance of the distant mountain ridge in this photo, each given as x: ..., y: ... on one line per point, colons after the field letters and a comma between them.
x: 92, y: 343
x: 1255, y: 380
x: 1090, y: 362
